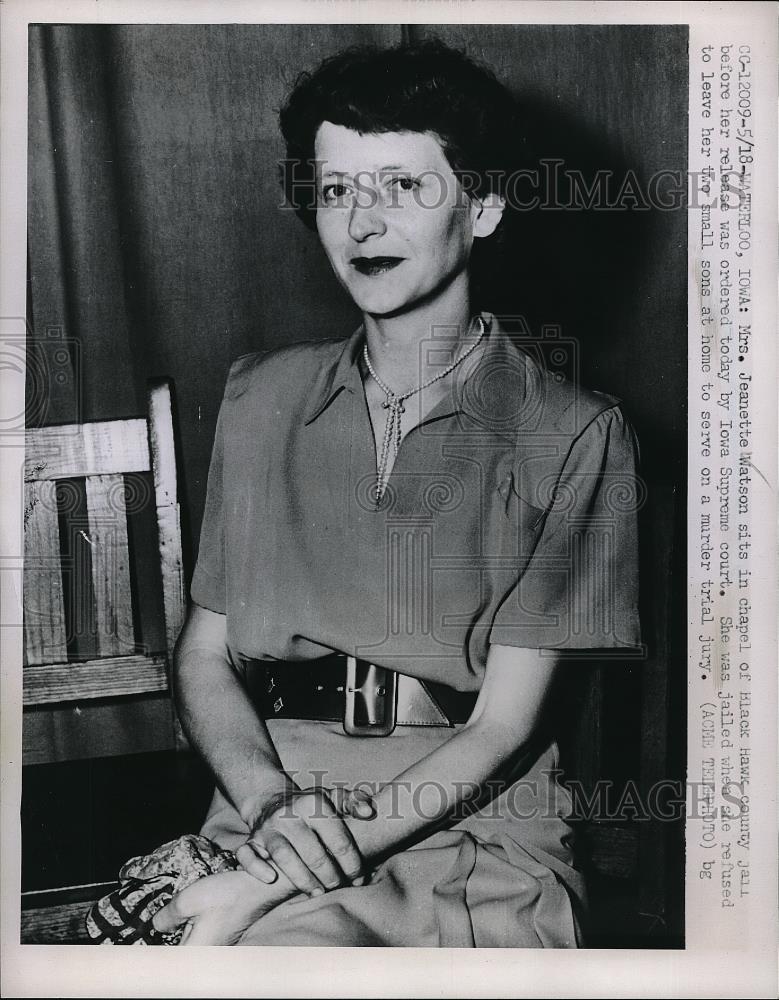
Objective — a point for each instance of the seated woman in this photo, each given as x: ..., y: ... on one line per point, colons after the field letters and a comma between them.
x: 426, y: 499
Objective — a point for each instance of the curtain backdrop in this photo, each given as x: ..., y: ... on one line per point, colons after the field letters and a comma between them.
x: 158, y: 244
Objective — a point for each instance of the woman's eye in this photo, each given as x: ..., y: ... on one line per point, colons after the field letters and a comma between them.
x: 334, y: 192
x: 404, y: 183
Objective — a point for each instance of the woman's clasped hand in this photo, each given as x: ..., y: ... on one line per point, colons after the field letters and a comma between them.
x: 218, y: 909
x: 299, y: 844
x: 301, y: 833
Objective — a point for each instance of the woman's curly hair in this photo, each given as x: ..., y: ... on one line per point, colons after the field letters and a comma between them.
x: 424, y: 87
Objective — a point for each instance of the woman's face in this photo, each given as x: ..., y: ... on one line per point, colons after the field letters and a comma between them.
x: 394, y: 220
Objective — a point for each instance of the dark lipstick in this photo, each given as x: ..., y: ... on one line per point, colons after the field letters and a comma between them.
x: 375, y: 265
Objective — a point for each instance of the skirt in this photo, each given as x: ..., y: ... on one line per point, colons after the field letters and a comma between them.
x: 501, y: 877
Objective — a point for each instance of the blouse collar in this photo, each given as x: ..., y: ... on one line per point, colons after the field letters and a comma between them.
x: 496, y: 393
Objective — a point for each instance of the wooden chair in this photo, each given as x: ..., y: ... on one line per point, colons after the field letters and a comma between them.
x: 102, y: 454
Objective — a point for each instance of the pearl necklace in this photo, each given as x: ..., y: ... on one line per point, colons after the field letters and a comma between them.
x: 394, y: 403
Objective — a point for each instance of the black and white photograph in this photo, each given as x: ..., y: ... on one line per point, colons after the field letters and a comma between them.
x: 356, y: 542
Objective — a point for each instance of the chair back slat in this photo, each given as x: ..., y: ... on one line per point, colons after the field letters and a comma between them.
x: 44, y: 606
x: 172, y: 569
x: 163, y: 453
x: 110, y: 554
x: 103, y: 678
x: 95, y: 449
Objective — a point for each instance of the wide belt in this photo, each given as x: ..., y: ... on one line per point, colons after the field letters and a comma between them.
x: 368, y: 699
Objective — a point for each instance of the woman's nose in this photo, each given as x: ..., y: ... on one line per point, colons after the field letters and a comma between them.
x: 366, y: 218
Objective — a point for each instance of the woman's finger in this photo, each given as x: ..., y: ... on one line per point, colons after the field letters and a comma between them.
x: 356, y: 802
x: 213, y: 929
x: 251, y: 857
x: 337, y: 796
x: 302, y: 858
x: 169, y: 917
x: 362, y: 810
x: 359, y: 804
x: 187, y: 933
x: 335, y: 858
x: 200, y: 932
x: 339, y: 844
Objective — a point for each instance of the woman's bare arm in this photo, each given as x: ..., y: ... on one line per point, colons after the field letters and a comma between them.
x: 218, y: 717
x: 222, y: 724
x: 502, y: 724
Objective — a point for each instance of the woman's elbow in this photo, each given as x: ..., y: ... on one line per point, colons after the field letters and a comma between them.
x: 504, y: 740
x: 202, y: 641
x: 203, y: 630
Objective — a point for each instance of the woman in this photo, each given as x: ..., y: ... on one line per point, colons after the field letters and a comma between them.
x: 426, y: 499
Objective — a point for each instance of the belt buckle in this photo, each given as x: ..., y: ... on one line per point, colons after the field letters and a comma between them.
x: 371, y: 699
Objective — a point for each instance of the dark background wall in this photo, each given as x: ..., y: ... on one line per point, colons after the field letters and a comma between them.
x: 157, y: 244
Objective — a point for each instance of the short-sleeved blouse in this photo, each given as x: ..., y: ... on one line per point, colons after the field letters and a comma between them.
x: 509, y: 515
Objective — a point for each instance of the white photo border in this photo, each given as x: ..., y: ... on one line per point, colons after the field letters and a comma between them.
x: 740, y: 963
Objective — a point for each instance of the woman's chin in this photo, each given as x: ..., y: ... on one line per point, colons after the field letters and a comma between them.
x: 388, y: 298
x: 382, y: 305
x: 387, y: 303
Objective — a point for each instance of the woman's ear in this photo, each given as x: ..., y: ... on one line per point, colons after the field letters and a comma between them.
x: 489, y: 212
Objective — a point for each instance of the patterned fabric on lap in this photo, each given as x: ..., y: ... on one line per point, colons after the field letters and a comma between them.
x: 149, y: 882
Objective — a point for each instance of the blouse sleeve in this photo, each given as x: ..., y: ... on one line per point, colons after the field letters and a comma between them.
x: 208, y: 580
x: 580, y: 587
